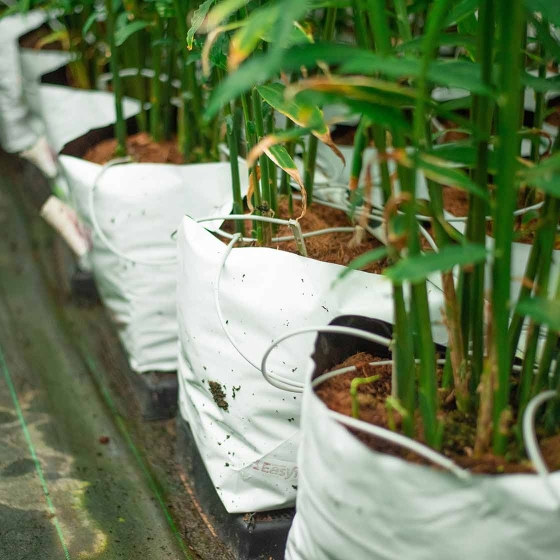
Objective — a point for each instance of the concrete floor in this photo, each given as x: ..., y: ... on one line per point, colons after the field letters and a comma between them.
x: 74, y: 478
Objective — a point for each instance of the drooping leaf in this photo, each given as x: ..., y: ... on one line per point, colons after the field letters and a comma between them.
x: 298, y: 35
x: 443, y: 172
x: 122, y: 34
x: 273, y: 140
x: 463, y: 9
x: 446, y: 39
x: 261, y: 67
x: 544, y: 35
x: 198, y: 18
x: 222, y: 11
x: 545, y: 175
x: 364, y: 260
x: 246, y: 40
x: 419, y: 267
x: 280, y: 157
x: 212, y: 39
x: 542, y: 310
x: 92, y: 18
x: 462, y: 153
x: 383, y: 115
x: 540, y: 84
x: 550, y: 9
x: 303, y: 114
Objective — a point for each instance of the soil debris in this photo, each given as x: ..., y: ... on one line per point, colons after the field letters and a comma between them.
x: 219, y: 395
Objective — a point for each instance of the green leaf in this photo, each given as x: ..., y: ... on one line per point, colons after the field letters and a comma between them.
x: 419, y: 267
x: 198, y: 18
x: 543, y: 311
x: 387, y: 117
x: 280, y: 157
x: 364, y: 260
x: 540, y: 84
x: 246, y: 39
x: 463, y: 153
x: 550, y: 9
x: 545, y: 175
x: 451, y: 39
x: 275, y: 139
x: 463, y: 9
x: 222, y: 11
x: 125, y: 32
x: 93, y: 17
x: 262, y: 67
x: 544, y: 35
x: 443, y: 172
x: 302, y: 114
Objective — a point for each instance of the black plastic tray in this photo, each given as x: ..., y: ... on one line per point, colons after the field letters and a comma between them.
x: 250, y: 536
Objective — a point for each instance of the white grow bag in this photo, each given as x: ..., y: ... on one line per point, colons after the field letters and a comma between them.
x: 18, y: 131
x: 355, y: 503
x: 34, y: 64
x: 132, y: 211
x: 250, y: 449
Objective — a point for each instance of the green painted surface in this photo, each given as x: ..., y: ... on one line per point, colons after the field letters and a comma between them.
x: 60, y: 486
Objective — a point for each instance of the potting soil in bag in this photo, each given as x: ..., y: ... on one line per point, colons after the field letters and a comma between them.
x: 355, y: 503
x: 18, y: 129
x: 246, y: 430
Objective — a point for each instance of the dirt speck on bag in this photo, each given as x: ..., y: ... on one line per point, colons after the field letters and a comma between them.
x: 219, y: 395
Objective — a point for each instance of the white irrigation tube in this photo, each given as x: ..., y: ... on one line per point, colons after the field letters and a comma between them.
x: 387, y: 435
x: 403, y: 441
x: 105, y: 78
x: 531, y: 443
x: 286, y: 384
x: 223, y: 322
x: 97, y: 228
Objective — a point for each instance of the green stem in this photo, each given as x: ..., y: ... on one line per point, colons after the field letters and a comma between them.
x: 354, y: 386
x: 380, y: 140
x: 476, y: 229
x: 380, y: 25
x: 402, y: 20
x: 156, y: 129
x: 120, y: 124
x: 512, y: 29
x: 311, y: 155
x: 263, y: 160
x: 360, y: 143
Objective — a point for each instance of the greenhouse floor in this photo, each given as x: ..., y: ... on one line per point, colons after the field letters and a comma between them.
x: 76, y: 481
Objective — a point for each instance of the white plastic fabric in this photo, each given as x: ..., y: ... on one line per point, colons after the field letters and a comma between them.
x: 18, y: 131
x: 250, y: 449
x: 137, y: 207
x: 69, y: 113
x: 34, y: 63
x: 354, y: 503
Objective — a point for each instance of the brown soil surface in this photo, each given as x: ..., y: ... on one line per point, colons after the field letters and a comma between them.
x: 140, y: 147
x: 460, y: 428
x: 455, y: 200
x: 332, y: 247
